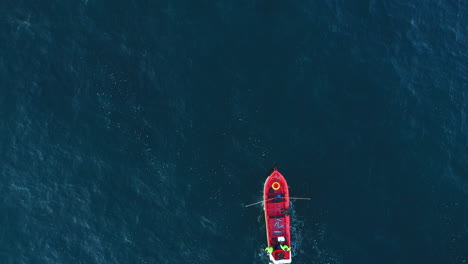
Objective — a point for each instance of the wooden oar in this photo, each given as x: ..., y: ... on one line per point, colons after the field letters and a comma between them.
x: 291, y: 198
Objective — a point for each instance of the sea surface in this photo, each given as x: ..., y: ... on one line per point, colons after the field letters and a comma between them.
x: 135, y: 131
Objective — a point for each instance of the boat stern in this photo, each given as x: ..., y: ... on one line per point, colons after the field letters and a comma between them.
x: 280, y: 261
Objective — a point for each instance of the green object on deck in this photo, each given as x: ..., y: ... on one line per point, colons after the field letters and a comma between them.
x: 269, y: 250
x: 285, y: 248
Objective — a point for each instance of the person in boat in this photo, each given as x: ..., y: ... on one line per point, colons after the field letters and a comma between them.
x: 285, y: 247
x: 277, y: 199
x: 269, y: 250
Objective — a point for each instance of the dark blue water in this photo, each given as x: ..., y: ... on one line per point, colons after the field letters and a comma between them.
x: 135, y: 131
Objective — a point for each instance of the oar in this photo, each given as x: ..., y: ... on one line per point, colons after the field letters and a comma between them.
x: 291, y: 198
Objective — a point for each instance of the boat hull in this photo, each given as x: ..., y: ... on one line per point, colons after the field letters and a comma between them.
x: 276, y: 204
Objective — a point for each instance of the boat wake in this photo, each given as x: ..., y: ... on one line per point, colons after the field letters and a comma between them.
x: 296, y: 231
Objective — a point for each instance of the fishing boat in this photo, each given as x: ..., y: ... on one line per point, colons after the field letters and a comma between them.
x: 276, y: 205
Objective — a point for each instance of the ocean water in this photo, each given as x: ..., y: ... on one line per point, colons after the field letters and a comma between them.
x: 135, y: 131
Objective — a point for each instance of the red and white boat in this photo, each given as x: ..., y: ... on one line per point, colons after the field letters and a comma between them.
x: 276, y: 205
